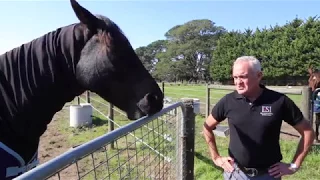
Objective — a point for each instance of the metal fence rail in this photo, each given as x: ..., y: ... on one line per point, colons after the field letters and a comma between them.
x: 152, y: 147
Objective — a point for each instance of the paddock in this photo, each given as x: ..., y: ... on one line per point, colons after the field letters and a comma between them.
x: 130, y: 149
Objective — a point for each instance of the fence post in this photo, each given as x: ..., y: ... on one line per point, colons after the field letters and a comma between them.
x: 306, y: 102
x: 163, y: 88
x: 111, y: 124
x: 188, y: 139
x: 208, y: 101
x: 88, y: 96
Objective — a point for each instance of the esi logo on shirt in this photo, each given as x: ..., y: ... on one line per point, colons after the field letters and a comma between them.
x: 266, y: 111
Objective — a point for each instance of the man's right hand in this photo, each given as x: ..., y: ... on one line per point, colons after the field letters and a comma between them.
x: 225, y: 163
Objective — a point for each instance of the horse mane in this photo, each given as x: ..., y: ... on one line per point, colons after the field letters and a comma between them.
x: 113, y: 30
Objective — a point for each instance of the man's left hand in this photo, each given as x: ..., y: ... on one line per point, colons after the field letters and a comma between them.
x: 280, y: 169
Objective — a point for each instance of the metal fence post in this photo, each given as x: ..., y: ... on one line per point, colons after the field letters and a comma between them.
x: 88, y: 96
x: 188, y: 138
x: 162, y: 88
x: 208, y: 100
x: 111, y: 124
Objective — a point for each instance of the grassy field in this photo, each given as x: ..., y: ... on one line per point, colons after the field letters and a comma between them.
x: 199, y: 91
x: 204, y: 168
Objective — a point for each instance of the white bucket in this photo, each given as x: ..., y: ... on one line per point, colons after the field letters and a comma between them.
x: 196, y: 104
x: 80, y: 115
x: 173, y: 111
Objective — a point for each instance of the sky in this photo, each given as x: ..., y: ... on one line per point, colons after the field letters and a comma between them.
x: 144, y: 21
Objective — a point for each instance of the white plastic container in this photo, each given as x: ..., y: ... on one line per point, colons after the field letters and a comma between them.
x: 196, y: 105
x: 173, y: 111
x: 80, y: 115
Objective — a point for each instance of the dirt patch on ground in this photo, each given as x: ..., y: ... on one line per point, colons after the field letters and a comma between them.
x: 288, y: 132
x: 53, y: 142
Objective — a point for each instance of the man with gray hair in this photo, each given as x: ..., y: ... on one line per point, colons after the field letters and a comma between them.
x: 255, y: 114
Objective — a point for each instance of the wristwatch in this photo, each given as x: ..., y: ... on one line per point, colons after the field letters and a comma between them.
x: 293, y: 167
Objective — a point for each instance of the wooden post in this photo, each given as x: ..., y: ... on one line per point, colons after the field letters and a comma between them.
x: 208, y: 101
x: 163, y: 88
x: 306, y: 103
x: 111, y: 124
x: 188, y: 140
x: 78, y: 100
x: 88, y: 96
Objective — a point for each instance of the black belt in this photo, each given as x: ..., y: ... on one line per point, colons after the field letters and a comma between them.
x: 252, y: 172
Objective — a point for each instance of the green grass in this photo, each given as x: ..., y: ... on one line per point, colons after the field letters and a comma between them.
x: 203, y: 167
x: 199, y: 91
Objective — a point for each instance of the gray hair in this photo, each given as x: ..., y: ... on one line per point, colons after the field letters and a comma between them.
x: 253, y: 61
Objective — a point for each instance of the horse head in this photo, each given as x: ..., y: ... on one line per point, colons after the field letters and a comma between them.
x: 314, y: 79
x: 109, y: 67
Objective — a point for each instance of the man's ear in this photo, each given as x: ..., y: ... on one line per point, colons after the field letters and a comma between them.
x: 85, y: 16
x: 260, y: 75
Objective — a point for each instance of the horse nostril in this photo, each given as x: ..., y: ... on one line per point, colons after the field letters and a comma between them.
x: 150, y: 104
x: 151, y: 97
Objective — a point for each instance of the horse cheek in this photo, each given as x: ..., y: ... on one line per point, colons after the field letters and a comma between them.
x: 93, y: 73
x: 85, y: 73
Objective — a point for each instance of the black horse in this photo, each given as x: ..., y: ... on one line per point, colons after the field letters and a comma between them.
x: 39, y: 77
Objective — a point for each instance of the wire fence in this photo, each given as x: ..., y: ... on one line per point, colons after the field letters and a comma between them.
x: 209, y: 95
x: 153, y: 147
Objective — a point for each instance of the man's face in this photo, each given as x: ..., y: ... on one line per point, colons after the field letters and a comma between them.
x: 245, y: 79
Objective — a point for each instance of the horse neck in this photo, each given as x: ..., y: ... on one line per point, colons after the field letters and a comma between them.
x: 46, y: 64
x: 70, y: 40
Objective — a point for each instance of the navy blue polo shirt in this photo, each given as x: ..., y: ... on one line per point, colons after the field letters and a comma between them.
x: 255, y: 126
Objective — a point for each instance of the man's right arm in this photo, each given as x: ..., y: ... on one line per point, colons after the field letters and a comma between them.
x: 208, y: 126
x: 217, y: 115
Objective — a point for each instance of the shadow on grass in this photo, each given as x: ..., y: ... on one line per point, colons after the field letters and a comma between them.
x: 97, y: 121
x: 207, y: 161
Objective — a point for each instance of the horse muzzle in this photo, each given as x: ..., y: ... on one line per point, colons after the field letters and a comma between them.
x: 148, y: 105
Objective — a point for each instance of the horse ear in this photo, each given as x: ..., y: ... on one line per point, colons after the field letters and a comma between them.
x: 85, y: 17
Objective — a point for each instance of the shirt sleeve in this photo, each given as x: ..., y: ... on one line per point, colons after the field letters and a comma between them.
x: 292, y: 114
x: 219, y: 110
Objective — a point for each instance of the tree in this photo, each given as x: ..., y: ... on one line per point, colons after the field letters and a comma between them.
x: 147, y: 54
x: 285, y: 51
x: 189, y: 47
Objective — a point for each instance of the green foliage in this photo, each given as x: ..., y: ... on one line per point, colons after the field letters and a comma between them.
x: 200, y: 50
x: 148, y: 54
